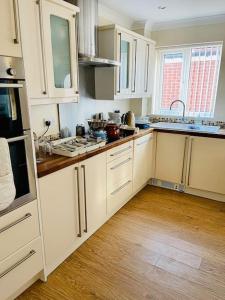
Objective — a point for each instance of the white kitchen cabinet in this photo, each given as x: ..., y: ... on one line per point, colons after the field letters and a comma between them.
x: 170, y: 157
x: 93, y: 185
x: 143, y: 161
x: 33, y: 49
x: 132, y: 78
x: 21, y: 269
x: 207, y: 164
x: 10, y: 44
x: 119, y: 177
x: 50, y: 50
x: 73, y: 203
x: 144, y: 68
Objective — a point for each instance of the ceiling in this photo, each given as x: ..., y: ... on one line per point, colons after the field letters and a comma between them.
x: 175, y: 10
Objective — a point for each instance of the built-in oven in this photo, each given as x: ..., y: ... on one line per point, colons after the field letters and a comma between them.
x: 15, y: 126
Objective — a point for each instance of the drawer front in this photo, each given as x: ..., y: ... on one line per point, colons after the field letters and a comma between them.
x: 18, y: 228
x: 143, y: 140
x: 17, y: 269
x: 119, y: 172
x: 119, y: 151
x: 119, y: 197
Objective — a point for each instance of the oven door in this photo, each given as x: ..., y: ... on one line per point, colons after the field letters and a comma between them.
x: 22, y: 160
x: 13, y: 108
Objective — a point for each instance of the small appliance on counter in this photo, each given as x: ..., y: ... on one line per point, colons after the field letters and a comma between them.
x: 115, y: 117
x: 113, y: 132
x: 128, y: 119
x: 80, y: 130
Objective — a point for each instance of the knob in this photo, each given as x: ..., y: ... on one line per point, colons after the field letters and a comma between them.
x: 11, y: 71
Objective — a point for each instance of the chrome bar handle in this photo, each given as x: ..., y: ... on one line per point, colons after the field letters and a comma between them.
x: 119, y: 68
x: 77, y: 50
x: 17, y: 139
x: 16, y: 39
x: 147, y: 70
x: 44, y: 92
x: 85, y: 199
x: 7, y: 227
x: 135, y: 67
x: 10, y: 85
x: 121, y: 187
x: 78, y: 200
x: 189, y: 167
x: 120, y: 164
x: 182, y: 174
x: 121, y: 151
x: 4, y: 273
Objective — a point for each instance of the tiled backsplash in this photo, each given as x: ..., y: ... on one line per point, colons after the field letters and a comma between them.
x: 155, y: 119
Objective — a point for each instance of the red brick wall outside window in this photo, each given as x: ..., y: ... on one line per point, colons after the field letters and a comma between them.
x: 191, y: 76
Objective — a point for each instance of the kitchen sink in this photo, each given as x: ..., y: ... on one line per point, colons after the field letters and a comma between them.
x: 186, y: 127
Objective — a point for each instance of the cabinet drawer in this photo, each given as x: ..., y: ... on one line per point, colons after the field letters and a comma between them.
x: 143, y: 140
x: 18, y: 228
x: 117, y: 198
x: 119, y: 171
x: 118, y: 151
x: 17, y: 269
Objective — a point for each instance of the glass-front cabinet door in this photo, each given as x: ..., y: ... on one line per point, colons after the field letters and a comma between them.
x: 59, y: 24
x: 124, y: 55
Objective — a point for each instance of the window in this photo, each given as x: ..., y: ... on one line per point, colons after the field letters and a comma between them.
x: 191, y: 75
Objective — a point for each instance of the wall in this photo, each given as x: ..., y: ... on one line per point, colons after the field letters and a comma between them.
x: 72, y: 114
x: 198, y: 34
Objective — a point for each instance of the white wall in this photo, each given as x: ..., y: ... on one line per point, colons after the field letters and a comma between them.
x: 198, y: 34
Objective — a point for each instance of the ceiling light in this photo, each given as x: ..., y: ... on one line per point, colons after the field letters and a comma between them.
x: 161, y: 7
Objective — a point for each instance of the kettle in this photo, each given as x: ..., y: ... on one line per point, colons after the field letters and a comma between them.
x: 128, y: 119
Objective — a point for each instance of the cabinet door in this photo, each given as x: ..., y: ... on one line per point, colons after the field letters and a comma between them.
x: 60, y: 48
x: 30, y: 12
x: 9, y: 29
x: 142, y: 161
x: 170, y: 157
x: 59, y: 205
x: 124, y: 55
x: 94, y: 192
x: 207, y: 164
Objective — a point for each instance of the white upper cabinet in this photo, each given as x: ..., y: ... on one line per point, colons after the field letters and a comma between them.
x: 133, y: 79
x: 207, y: 164
x: 170, y: 157
x: 10, y: 44
x: 51, y: 67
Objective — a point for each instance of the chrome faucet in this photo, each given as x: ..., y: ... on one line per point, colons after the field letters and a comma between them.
x: 183, y: 106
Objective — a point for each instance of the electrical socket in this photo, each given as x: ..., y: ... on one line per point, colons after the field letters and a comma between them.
x: 48, y: 122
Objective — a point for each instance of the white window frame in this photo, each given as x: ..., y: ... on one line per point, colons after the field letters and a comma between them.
x: 157, y: 95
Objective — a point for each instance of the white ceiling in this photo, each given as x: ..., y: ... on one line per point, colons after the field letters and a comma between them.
x: 176, y: 10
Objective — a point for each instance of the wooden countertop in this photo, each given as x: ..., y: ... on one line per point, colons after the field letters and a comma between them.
x: 54, y: 162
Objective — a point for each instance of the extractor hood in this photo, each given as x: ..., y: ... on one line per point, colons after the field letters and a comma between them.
x: 88, y: 36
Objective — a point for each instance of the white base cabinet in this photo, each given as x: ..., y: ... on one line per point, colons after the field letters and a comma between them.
x: 143, y: 161
x: 207, y: 164
x: 10, y: 44
x: 170, y: 157
x: 73, y: 203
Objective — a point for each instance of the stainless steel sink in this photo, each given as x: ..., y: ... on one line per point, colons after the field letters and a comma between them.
x: 185, y: 127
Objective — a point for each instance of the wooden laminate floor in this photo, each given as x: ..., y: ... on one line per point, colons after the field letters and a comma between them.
x: 161, y: 245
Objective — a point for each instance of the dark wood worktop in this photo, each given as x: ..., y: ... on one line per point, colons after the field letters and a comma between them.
x: 54, y: 162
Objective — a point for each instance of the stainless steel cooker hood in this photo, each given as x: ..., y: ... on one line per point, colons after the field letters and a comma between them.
x: 88, y: 36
